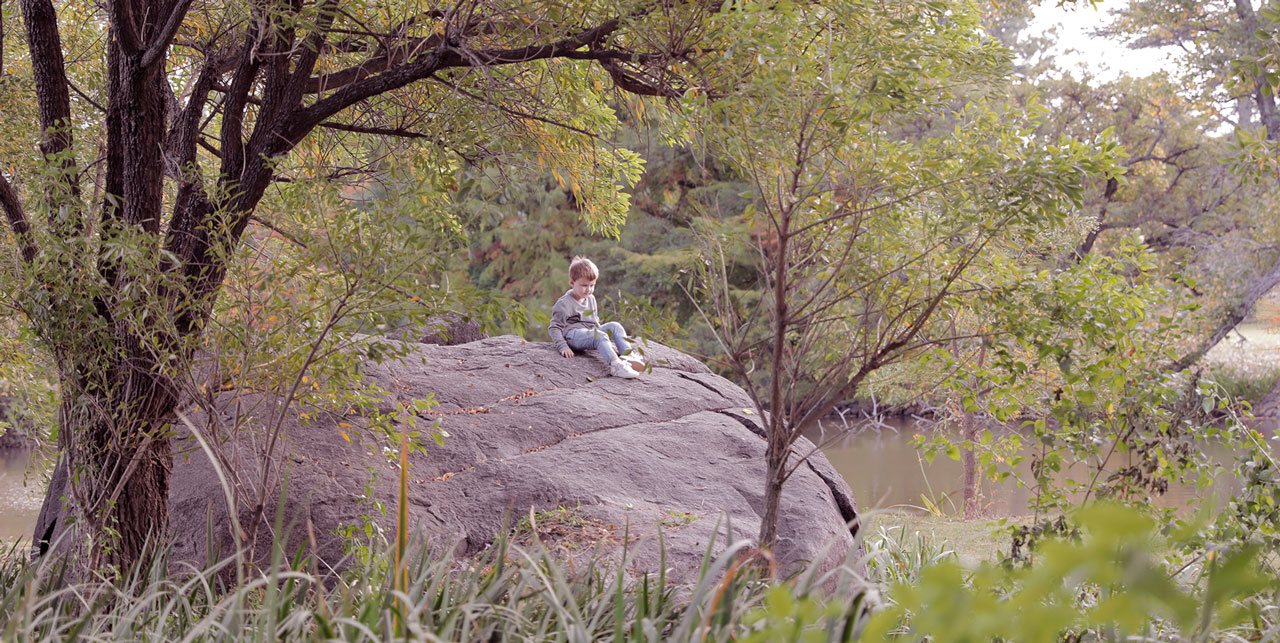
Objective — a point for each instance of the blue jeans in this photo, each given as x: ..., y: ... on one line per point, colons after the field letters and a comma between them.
x: 603, y: 338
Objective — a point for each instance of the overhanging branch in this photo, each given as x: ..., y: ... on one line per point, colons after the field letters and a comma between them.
x: 1232, y: 318
x: 445, y: 56
x: 377, y: 131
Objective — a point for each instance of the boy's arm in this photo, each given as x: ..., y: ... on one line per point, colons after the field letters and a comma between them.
x: 556, y: 327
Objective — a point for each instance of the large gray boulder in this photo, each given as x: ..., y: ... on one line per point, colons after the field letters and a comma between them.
x: 593, y: 457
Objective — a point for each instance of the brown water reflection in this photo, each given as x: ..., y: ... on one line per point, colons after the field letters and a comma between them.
x: 885, y: 471
x: 21, y: 492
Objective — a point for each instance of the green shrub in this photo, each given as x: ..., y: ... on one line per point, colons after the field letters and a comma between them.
x: 1107, y: 586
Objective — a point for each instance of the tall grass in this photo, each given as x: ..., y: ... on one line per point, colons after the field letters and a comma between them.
x: 898, y: 585
x: 507, y: 593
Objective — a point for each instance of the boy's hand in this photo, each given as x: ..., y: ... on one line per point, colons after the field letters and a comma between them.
x: 568, y: 352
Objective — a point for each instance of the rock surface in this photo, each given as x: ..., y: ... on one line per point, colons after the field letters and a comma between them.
x: 528, y: 430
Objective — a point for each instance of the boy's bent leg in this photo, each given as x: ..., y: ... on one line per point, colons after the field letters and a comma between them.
x: 619, y: 336
x: 588, y: 338
x: 607, y: 336
x: 625, y: 348
x: 604, y: 346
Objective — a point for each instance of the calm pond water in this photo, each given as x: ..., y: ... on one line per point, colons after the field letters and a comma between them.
x: 880, y: 465
x: 20, y: 496
x: 886, y: 472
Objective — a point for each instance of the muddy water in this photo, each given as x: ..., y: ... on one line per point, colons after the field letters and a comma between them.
x: 885, y: 471
x: 20, y: 495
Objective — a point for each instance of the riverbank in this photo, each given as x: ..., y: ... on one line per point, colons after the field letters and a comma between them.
x: 971, y: 541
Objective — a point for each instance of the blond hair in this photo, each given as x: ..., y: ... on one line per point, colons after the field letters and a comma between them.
x: 582, y: 267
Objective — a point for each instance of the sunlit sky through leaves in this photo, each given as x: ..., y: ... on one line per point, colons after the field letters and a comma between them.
x: 1079, y: 49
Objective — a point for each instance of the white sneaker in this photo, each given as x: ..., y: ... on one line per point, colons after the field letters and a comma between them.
x: 633, y: 358
x: 619, y: 368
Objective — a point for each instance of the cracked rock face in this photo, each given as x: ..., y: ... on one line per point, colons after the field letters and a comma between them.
x: 593, y: 457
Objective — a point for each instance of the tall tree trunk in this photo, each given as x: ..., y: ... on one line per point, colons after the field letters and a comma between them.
x: 969, y: 429
x: 969, y: 433
x: 776, y: 471
x: 125, y: 449
x: 113, y: 477
x: 118, y: 395
x: 779, y: 447
x: 122, y: 426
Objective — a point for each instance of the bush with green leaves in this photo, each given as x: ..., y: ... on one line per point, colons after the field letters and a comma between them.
x: 1109, y: 584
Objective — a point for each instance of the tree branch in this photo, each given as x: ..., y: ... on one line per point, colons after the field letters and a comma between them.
x: 381, y: 61
x: 125, y: 27
x: 512, y: 112
x: 310, y: 53
x: 52, y: 96
x: 159, y: 44
x: 442, y: 57
x: 96, y: 105
x: 1236, y: 314
x: 17, y: 220
x: 895, y: 348
x: 237, y: 96
x: 377, y: 131
x: 277, y: 47
x: 183, y: 139
x: 634, y: 84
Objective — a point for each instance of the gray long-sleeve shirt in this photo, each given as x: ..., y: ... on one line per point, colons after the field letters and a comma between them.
x: 568, y: 315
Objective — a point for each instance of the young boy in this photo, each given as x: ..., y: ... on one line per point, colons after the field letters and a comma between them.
x: 575, y: 323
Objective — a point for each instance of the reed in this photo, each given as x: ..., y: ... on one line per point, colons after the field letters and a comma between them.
x: 506, y: 593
